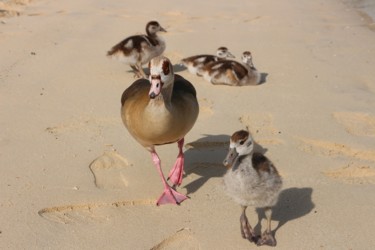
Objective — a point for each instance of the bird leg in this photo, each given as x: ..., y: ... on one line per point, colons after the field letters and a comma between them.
x: 142, y: 74
x: 246, y: 230
x: 267, y: 237
x: 137, y: 74
x: 169, y: 195
x: 175, y: 175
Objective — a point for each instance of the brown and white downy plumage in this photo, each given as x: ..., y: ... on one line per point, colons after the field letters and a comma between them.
x: 161, y: 110
x: 195, y: 64
x: 251, y: 180
x: 140, y: 49
x: 229, y: 72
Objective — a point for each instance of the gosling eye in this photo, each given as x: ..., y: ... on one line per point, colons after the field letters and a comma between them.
x: 242, y: 142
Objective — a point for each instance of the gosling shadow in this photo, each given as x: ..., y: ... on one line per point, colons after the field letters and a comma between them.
x: 293, y: 203
x: 178, y: 68
x: 263, y: 78
x: 204, y: 158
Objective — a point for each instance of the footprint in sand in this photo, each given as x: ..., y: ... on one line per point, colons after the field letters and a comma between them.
x: 71, y: 214
x: 353, y: 174
x: 361, y: 124
x: 88, y: 213
x: 328, y: 148
x: 9, y: 13
x: 109, y: 171
x: 261, y: 124
x: 205, y: 107
x: 182, y: 239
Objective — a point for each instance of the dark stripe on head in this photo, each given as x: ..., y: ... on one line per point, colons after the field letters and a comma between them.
x: 240, y: 135
x: 223, y: 48
x: 247, y: 53
x: 165, y: 67
x: 155, y: 23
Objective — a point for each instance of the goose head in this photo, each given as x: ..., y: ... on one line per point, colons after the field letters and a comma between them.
x: 161, y: 76
x: 153, y: 27
x: 223, y: 52
x: 241, y: 143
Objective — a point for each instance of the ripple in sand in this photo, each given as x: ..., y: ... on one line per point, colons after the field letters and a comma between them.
x: 335, y: 149
x: 361, y: 124
x: 358, y: 174
x: 84, y: 124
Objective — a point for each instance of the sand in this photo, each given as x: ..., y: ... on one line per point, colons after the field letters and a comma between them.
x: 71, y: 177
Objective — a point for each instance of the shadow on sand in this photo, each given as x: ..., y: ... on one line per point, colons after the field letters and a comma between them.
x: 204, y: 157
x: 293, y: 203
x: 263, y: 78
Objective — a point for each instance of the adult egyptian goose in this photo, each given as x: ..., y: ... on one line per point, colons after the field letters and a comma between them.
x: 159, y: 111
x: 229, y: 72
x: 195, y: 64
x: 140, y: 49
x: 251, y: 180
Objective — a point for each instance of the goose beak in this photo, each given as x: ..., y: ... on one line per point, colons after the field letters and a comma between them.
x: 230, y: 158
x: 156, y: 85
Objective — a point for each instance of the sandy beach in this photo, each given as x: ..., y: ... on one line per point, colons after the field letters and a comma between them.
x: 72, y: 177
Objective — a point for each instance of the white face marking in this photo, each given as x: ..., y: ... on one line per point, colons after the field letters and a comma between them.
x: 247, y: 58
x: 224, y: 53
x: 221, y: 54
x: 152, y: 29
x: 244, y: 147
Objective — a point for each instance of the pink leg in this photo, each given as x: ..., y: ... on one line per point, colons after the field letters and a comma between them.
x: 169, y: 195
x: 175, y: 175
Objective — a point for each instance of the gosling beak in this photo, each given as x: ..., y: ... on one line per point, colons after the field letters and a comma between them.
x: 230, y: 55
x: 230, y: 158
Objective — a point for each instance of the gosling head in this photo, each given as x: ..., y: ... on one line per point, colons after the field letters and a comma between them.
x: 241, y: 143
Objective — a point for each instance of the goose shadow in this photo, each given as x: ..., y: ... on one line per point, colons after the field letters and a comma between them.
x: 204, y: 158
x: 293, y: 203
